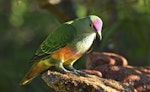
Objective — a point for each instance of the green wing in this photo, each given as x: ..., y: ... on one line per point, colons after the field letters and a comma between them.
x: 58, y: 39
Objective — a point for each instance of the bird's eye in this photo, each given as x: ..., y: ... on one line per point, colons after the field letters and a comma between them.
x: 91, y: 25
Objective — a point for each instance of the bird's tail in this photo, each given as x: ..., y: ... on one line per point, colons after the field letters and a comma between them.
x: 36, y: 69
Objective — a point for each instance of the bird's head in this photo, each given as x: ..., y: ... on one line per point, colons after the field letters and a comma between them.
x: 96, y: 23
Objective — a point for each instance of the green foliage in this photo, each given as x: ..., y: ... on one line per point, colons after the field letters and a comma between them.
x: 23, y: 27
x: 129, y: 34
x: 20, y: 37
x: 17, y: 11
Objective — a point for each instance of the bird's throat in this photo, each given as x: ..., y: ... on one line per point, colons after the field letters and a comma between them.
x: 83, y: 42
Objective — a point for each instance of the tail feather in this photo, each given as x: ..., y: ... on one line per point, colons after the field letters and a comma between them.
x: 26, y: 81
x: 35, y: 70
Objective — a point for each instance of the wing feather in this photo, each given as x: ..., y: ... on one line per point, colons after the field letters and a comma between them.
x: 58, y: 39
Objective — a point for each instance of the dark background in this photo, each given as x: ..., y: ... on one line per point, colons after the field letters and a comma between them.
x: 24, y: 24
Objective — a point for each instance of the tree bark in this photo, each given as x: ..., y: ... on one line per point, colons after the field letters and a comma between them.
x: 70, y: 82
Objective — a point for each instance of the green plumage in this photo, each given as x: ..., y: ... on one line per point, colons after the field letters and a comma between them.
x: 57, y: 39
x: 64, y: 46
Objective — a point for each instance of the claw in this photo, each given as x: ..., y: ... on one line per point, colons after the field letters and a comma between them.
x: 78, y: 72
x: 75, y: 71
x: 64, y: 71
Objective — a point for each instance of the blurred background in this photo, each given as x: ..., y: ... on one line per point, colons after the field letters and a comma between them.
x: 24, y: 24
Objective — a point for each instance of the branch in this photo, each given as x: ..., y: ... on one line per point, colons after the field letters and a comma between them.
x: 69, y: 82
x: 64, y: 9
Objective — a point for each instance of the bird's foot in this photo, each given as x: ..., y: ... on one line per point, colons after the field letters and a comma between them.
x: 78, y: 72
x: 64, y: 71
x: 61, y: 68
x: 75, y: 71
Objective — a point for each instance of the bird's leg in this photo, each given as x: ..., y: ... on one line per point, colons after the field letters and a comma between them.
x: 61, y: 68
x: 71, y: 68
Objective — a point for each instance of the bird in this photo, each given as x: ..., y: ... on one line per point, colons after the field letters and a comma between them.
x: 65, y: 45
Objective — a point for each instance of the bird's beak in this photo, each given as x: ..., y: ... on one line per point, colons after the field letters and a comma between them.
x: 99, y: 34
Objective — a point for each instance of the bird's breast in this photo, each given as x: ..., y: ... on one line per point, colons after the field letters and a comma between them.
x: 83, y: 42
x: 75, y: 49
x: 65, y: 54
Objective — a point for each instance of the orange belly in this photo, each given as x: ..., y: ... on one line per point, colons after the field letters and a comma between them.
x: 65, y: 54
